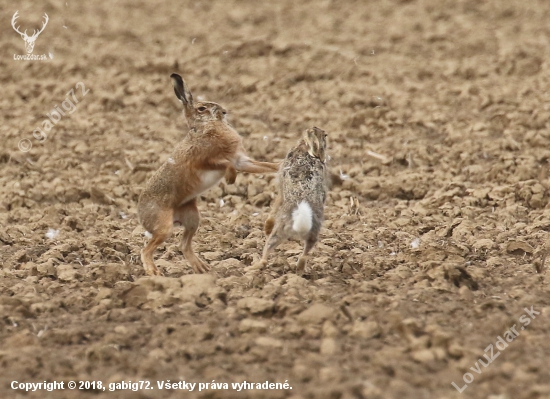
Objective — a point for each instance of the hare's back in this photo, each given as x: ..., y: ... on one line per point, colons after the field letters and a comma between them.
x: 303, y: 178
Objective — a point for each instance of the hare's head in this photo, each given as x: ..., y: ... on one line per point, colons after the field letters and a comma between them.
x: 206, y: 111
x: 316, y: 142
x: 202, y: 111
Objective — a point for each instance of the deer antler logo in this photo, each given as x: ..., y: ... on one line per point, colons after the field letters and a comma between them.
x: 29, y: 40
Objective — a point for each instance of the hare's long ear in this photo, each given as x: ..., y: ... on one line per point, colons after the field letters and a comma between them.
x: 183, y: 94
x: 317, y: 142
x: 182, y: 91
x: 322, y: 142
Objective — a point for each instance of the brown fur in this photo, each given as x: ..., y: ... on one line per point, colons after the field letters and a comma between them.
x: 211, y: 150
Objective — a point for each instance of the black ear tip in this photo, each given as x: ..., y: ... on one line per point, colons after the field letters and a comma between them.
x: 175, y: 77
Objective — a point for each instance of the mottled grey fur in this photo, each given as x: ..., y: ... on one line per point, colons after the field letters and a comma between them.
x: 302, y: 177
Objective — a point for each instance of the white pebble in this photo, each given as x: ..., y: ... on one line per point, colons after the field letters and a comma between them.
x: 52, y: 233
x: 415, y: 243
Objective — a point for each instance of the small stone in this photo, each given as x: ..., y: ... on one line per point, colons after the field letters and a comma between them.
x: 316, y: 314
x: 67, y: 273
x: 210, y: 256
x: 328, y: 346
x: 158, y: 353
x: 519, y: 248
x: 103, y: 293
x: 455, y: 351
x: 484, y: 243
x: 251, y: 325
x: 47, y: 269
x: 365, y: 329
x: 402, y: 222
x: 330, y: 374
x: 508, y: 369
x: 256, y: 305
x: 329, y: 330
x: 439, y: 353
x: 465, y: 293
x: 423, y: 356
x: 230, y: 263
x: 303, y: 372
x: 121, y: 330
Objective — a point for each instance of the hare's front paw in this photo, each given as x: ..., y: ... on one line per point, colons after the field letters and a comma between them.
x: 230, y: 175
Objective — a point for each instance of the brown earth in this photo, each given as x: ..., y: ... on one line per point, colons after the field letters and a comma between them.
x: 434, y: 241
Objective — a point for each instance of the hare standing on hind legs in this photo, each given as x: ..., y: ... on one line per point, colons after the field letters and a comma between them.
x: 211, y: 150
x: 299, y: 207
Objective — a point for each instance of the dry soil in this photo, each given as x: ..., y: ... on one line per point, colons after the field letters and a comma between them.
x: 438, y: 114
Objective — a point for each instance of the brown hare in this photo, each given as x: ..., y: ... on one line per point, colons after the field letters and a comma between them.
x: 299, y: 207
x: 211, y: 150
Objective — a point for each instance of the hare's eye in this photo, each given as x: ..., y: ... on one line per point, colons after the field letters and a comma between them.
x: 201, y: 109
x: 224, y: 112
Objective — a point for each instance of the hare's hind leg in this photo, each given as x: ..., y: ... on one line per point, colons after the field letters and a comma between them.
x: 302, y: 260
x: 274, y: 239
x: 163, y: 229
x: 270, y: 221
x: 188, y: 215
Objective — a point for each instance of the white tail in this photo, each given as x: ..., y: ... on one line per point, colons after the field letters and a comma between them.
x: 302, y: 217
